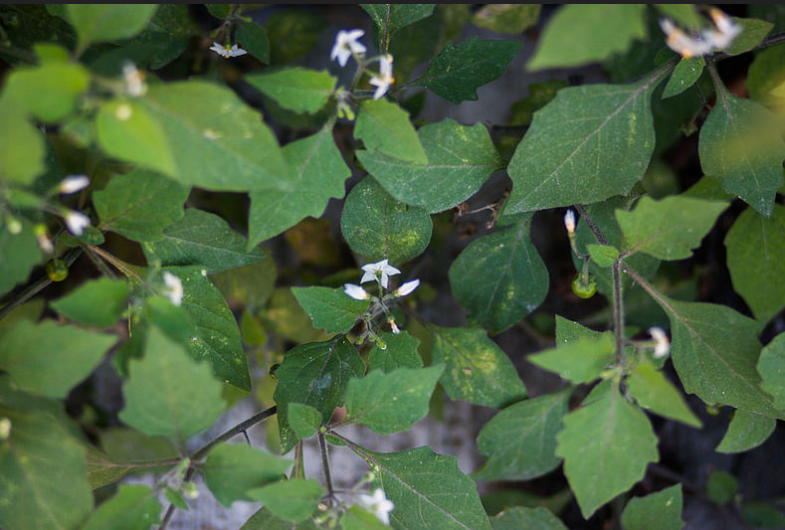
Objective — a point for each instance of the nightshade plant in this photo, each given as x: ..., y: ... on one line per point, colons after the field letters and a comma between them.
x: 131, y: 135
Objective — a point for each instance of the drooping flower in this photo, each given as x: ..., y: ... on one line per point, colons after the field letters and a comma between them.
x: 569, y: 221
x: 355, y: 291
x: 73, y: 184
x: 346, y: 45
x: 407, y: 288
x: 174, y: 288
x: 378, y: 504
x: 76, y: 222
x: 385, y: 78
x: 381, y: 270
x: 661, y: 344
x: 226, y: 51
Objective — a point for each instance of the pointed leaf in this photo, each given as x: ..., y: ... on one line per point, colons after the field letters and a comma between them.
x: 293, y: 500
x: 330, y: 309
x: 304, y: 420
x: 654, y: 392
x: 95, y: 303
x: 606, y: 446
x: 529, y: 518
x: 657, y: 511
x: 753, y: 31
x: 103, y: 22
x: 51, y: 91
x: 296, y: 89
x: 603, y: 255
x: 581, y: 361
x: 253, y: 38
x: 590, y: 143
x: 389, y: 18
x: 771, y: 367
x: 686, y: 73
x: 740, y: 146
x: 519, y: 442
x: 385, y: 127
x: 477, y: 370
x: 460, y: 160
x: 265, y: 520
x: 500, y: 278
x: 133, y: 507
x: 22, y: 148
x: 746, y: 431
x: 401, y: 352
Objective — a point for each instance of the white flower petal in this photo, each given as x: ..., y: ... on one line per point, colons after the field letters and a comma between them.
x: 662, y: 344
x: 355, y: 291
x: 174, y: 288
x: 76, y: 222
x: 73, y: 184
x: 569, y: 221
x: 407, y: 288
x: 345, y: 45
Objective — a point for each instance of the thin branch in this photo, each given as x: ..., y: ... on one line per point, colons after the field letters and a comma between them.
x: 234, y: 431
x: 618, y: 310
x: 591, y: 224
x: 118, y: 264
x: 98, y: 262
x: 328, y: 479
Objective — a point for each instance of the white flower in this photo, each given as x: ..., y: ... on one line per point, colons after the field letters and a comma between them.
x: 569, y: 221
x: 708, y: 41
x: 174, y: 288
x: 723, y: 22
x: 226, y: 51
x: 76, y: 222
x: 73, y: 184
x: 380, y: 270
x: 661, y: 344
x: 380, y: 505
x: 385, y: 78
x: 682, y: 43
x: 355, y: 291
x: 346, y: 45
x: 395, y: 329
x: 407, y: 288
x: 134, y: 80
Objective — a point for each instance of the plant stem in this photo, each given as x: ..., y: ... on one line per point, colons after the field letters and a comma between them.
x: 590, y: 223
x: 99, y: 263
x: 386, y: 32
x: 234, y: 431
x: 326, y: 468
x: 618, y: 310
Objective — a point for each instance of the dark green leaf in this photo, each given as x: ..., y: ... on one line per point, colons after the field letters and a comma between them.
x: 529, y: 518
x: 457, y: 72
x: 134, y: 507
x: 581, y: 361
x: 304, y: 420
x: 293, y: 500
x: 19, y: 252
x: 401, y: 352
x: 771, y: 367
x: 684, y: 76
x: 753, y: 31
x: 762, y: 515
x: 253, y: 39
x: 95, y: 303
x: 507, y: 18
x: 746, y: 431
x: 721, y: 487
x: 103, y: 22
x: 654, y: 392
x: 249, y: 286
x: 389, y: 18
x: 265, y: 520
x: 296, y: 89
x: 657, y: 511
x: 292, y: 34
x: 330, y: 309
x: 167, y: 34
x: 385, y: 127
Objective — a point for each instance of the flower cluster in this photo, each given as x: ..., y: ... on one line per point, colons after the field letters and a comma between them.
x: 708, y: 41
x: 378, y: 504
x: 227, y: 51
x: 347, y: 45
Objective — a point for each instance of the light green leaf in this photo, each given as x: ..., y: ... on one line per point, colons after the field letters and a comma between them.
x: 529, y: 518
x: 293, y: 500
x: 385, y: 127
x: 500, y: 278
x: 317, y: 173
x: 297, y: 89
x: 330, y: 309
x: 42, y: 474
x: 460, y: 160
x: 95, y: 303
x: 357, y: 518
x: 377, y: 226
x: 18, y: 252
x: 22, y: 149
x: 477, y: 370
x: 48, y: 359
x: 401, y: 352
x: 684, y: 14
x: 389, y: 18
x: 393, y: 401
x: 739, y: 144
x: 590, y: 143
x: 721, y: 487
x: 654, y: 392
x: 429, y: 490
x: 253, y: 39
x: 765, y: 74
x: 756, y: 260
x: 133, y: 507
x: 746, y: 431
x: 606, y: 446
x: 326, y: 368
x: 168, y: 393
x: 581, y: 361
x: 657, y: 511
x: 265, y: 520
x: 231, y: 470
x: 140, y: 205
x: 103, y: 22
x: 670, y: 228
x: 204, y: 239
x: 507, y: 18
x: 519, y: 442
x: 684, y: 76
x: 584, y: 33
x: 603, y: 255
x: 771, y: 367
x: 304, y: 420
x: 50, y: 91
x: 753, y: 31
x: 457, y: 72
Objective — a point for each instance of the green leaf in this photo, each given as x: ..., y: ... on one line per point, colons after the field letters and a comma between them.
x: 721, y: 487
x: 581, y: 361
x: 175, y: 497
x: 253, y: 38
x: 304, y: 420
x: 168, y: 393
x: 204, y: 239
x: 603, y: 255
x: 606, y: 446
x: 330, y: 309
x: 49, y: 92
x: 477, y: 370
x: 590, y: 143
x: 134, y: 507
x: 457, y: 72
x: 460, y: 160
x: 389, y: 18
x: 140, y: 205
x: 740, y: 146
x: 584, y: 33
x: 19, y: 252
x: 292, y: 34
x: 756, y: 261
x: 42, y: 474
x: 167, y: 35
x: 377, y: 226
x: 385, y: 127
x: 293, y: 500
x: 104, y: 22
x: 500, y: 278
x: 654, y: 392
x: 429, y: 490
x: 357, y: 518
x: 231, y: 470
x: 22, y: 149
x: 297, y: 89
x: 507, y: 18
x: 317, y: 174
x: 686, y: 73
x: 529, y: 518
x: 401, y: 352
x: 765, y: 74
x: 315, y: 374
x: 657, y: 511
x: 753, y: 31
x: 265, y: 520
x: 771, y: 367
x: 670, y: 228
x: 746, y: 431
x: 519, y: 442
x: 393, y: 401
x: 684, y: 14
x: 48, y: 359
x: 95, y: 303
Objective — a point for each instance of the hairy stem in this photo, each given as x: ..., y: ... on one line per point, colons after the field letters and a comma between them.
x: 234, y: 431
x: 328, y: 479
x: 591, y: 224
x: 618, y: 310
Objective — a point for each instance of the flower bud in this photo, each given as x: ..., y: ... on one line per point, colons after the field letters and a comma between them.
x: 569, y: 221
